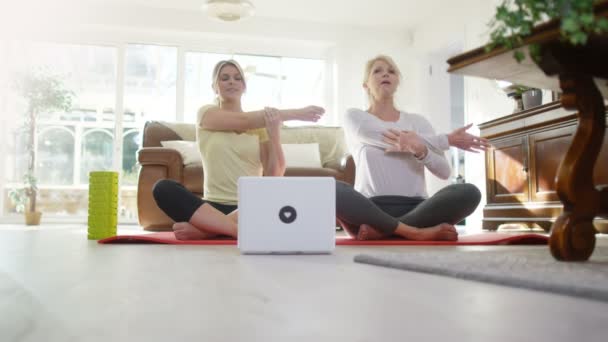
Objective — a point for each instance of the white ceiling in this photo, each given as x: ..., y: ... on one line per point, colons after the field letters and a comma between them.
x: 395, y: 14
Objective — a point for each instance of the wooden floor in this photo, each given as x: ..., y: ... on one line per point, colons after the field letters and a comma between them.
x: 55, y: 285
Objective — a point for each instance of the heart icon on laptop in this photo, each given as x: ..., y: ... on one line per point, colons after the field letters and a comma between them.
x: 287, y: 214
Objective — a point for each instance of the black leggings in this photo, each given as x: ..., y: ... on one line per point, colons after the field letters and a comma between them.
x: 449, y: 205
x: 179, y: 203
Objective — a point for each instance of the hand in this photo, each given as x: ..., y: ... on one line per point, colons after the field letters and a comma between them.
x: 461, y: 139
x: 405, y: 141
x: 273, y: 121
x: 309, y: 113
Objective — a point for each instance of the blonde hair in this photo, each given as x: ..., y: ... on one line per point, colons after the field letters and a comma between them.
x: 370, y: 64
x: 216, y: 73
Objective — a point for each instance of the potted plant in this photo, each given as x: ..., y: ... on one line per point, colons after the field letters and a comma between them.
x: 41, y: 92
x: 515, y: 19
x: 532, y: 97
x: 525, y: 97
x: 20, y: 197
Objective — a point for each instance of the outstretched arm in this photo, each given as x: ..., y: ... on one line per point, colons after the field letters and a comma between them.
x: 465, y: 141
x: 218, y: 119
x: 459, y: 138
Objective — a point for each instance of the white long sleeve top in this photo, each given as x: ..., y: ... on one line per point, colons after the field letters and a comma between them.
x: 396, y: 173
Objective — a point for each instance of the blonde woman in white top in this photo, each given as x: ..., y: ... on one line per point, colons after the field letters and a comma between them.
x: 233, y: 143
x: 391, y: 150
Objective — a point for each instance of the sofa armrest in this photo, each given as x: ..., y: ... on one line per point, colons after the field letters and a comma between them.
x: 312, y: 172
x: 161, y: 156
x: 156, y: 163
x: 347, y: 166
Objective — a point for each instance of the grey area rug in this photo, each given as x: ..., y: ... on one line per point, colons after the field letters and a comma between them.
x: 525, y: 267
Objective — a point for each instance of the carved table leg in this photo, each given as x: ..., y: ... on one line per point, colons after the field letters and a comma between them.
x: 573, y: 234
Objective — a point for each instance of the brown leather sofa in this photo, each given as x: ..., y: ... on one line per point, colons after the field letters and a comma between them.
x: 159, y: 162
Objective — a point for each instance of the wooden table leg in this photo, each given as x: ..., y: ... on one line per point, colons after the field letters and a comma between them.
x: 573, y: 235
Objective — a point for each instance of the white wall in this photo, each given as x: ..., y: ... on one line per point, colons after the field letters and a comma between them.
x: 346, y: 48
x: 434, y: 101
x: 466, y: 25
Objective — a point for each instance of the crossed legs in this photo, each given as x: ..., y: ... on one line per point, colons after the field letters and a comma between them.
x: 206, y: 223
x: 431, y: 219
x: 195, y: 219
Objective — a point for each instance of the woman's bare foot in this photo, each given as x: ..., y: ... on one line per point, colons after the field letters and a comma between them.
x: 349, y: 229
x: 367, y: 232
x: 440, y: 232
x: 186, y: 231
x: 214, y: 221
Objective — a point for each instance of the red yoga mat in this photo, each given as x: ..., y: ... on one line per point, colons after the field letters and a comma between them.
x: 465, y: 240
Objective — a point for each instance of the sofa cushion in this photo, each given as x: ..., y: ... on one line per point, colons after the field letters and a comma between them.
x: 186, y: 131
x: 187, y: 149
x: 302, y: 155
x: 332, y: 145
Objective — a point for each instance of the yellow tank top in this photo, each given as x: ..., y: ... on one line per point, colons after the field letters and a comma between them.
x: 226, y: 156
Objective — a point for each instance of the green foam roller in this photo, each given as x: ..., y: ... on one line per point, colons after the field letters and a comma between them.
x: 102, y: 225
x: 105, y: 201
x: 104, y: 174
x: 101, y: 222
x: 103, y: 204
x: 104, y: 196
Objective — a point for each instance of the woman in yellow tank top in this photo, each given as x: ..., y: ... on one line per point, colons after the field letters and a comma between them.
x: 233, y: 143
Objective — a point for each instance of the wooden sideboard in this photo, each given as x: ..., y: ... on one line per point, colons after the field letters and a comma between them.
x: 580, y: 73
x: 521, y: 166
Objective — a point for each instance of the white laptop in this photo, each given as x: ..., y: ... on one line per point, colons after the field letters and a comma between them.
x: 287, y: 215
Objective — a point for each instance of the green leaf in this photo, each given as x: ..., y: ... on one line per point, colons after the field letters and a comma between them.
x: 602, y: 25
x: 534, y: 50
x: 502, y: 13
x: 586, y: 18
x: 519, y: 56
x: 526, y: 29
x: 570, y: 25
x: 578, y: 38
x: 515, y: 19
x: 18, y: 198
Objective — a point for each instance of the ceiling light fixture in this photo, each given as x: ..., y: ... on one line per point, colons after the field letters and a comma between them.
x: 228, y: 10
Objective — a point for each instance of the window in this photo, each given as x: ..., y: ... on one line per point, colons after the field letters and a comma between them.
x: 198, y: 91
x: 263, y: 75
x: 150, y: 83
x: 96, y: 152
x: 131, y: 142
x: 55, y: 156
x: 303, y: 82
x: 94, y: 136
x: 68, y: 145
x: 271, y: 81
x: 150, y: 94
